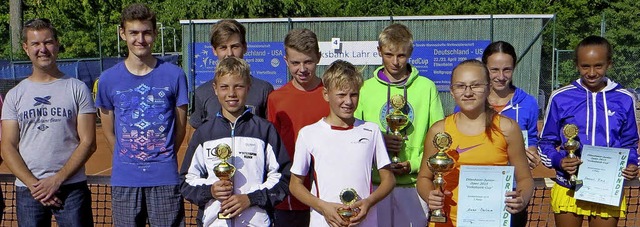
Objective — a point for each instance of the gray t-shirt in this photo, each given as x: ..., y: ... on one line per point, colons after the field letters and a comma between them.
x: 47, y: 115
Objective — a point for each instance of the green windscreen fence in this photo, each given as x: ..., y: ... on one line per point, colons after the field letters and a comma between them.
x: 526, y: 33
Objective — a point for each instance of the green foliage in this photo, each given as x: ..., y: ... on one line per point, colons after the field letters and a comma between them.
x: 5, y: 42
x: 84, y: 24
x: 622, y: 31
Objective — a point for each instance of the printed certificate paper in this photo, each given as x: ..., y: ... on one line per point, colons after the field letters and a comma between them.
x: 601, y: 174
x: 481, y: 195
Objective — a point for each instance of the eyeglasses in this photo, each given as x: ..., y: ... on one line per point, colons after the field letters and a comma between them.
x: 32, y: 22
x: 475, y: 88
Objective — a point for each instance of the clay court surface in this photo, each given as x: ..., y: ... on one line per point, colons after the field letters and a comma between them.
x: 98, y: 165
x: 100, y: 161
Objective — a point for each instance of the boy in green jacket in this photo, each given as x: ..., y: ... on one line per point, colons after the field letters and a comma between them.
x: 396, y: 77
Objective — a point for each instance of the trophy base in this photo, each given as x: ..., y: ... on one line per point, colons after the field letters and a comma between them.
x: 347, y: 214
x: 221, y: 216
x: 438, y: 219
x: 575, y: 182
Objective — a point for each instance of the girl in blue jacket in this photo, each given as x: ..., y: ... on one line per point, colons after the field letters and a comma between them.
x: 505, y: 98
x: 605, y: 115
x: 509, y: 100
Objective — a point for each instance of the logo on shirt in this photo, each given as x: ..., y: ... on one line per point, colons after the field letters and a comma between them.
x: 42, y: 100
x: 610, y: 113
x: 45, y: 112
x: 252, y: 108
x: 248, y: 155
x: 43, y: 127
x: 460, y: 151
x: 362, y: 140
x: 211, y: 152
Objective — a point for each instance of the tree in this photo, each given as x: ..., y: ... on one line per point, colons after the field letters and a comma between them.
x: 15, y: 14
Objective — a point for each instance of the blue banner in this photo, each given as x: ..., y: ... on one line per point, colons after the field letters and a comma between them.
x: 436, y: 59
x: 265, y: 58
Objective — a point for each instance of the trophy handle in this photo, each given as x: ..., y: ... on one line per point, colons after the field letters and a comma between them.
x: 571, y: 146
x: 439, y: 182
x: 573, y: 179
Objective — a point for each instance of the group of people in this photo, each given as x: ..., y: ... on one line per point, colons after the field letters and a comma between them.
x: 297, y: 149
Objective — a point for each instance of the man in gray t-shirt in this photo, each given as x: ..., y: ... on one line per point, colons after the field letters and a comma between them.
x: 48, y: 133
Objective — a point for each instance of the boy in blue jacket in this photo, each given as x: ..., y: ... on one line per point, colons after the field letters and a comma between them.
x: 262, y: 163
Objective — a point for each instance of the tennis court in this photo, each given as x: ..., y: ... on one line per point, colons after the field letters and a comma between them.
x: 98, y: 169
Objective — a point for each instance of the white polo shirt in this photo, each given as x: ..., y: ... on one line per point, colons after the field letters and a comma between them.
x: 342, y: 158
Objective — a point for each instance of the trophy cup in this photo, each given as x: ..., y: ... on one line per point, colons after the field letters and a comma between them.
x: 570, y: 131
x: 397, y: 120
x: 440, y: 164
x: 348, y: 196
x: 224, y: 170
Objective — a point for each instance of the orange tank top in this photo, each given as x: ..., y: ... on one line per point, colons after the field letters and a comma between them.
x: 470, y: 150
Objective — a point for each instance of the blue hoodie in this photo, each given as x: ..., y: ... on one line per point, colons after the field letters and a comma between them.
x: 605, y: 118
x: 522, y: 108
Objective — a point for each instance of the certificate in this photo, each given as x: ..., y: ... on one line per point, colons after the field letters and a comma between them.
x: 601, y: 174
x: 481, y: 195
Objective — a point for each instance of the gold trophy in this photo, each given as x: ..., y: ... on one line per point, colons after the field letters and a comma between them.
x: 570, y: 131
x: 224, y: 170
x: 397, y: 120
x: 348, y: 196
x: 440, y: 164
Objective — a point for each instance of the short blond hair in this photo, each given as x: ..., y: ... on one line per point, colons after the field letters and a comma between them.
x: 342, y: 75
x: 233, y: 66
x: 396, y: 36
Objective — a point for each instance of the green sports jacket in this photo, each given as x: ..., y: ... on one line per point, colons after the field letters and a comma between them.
x: 423, y: 107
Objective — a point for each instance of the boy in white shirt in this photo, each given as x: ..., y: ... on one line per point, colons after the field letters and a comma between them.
x: 340, y: 150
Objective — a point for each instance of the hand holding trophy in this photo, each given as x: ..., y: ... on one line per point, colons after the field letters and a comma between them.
x: 397, y: 120
x: 570, y: 131
x: 224, y: 170
x: 440, y: 164
x: 348, y: 196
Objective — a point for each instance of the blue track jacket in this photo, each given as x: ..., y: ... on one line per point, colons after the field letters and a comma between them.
x: 605, y: 118
x: 262, y: 168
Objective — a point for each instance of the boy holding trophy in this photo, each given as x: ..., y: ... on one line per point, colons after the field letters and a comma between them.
x: 403, y: 104
x: 235, y: 141
x: 341, y: 144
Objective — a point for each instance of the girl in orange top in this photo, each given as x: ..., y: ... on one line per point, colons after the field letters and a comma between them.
x: 480, y: 136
